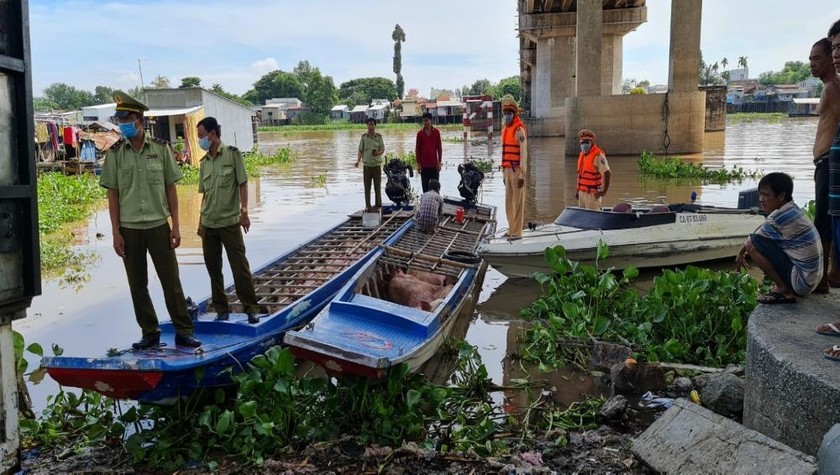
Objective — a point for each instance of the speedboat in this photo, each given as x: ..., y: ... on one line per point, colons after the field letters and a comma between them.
x: 656, y: 236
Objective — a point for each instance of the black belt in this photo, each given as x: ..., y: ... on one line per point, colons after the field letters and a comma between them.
x: 820, y: 159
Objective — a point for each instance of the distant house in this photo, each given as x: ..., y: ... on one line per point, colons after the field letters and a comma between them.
x: 340, y: 112
x: 293, y: 112
x: 410, y: 110
x: 288, y: 101
x: 378, y: 111
x: 359, y: 114
x: 176, y: 112
x: 273, y: 114
x: 804, y: 106
x: 787, y: 92
x: 449, y: 108
x: 100, y: 113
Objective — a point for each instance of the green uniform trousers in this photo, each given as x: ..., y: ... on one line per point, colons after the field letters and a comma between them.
x: 373, y: 176
x: 229, y: 237
x: 155, y: 242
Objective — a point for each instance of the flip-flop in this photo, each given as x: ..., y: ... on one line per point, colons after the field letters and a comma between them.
x: 833, y: 330
x: 772, y: 298
x: 835, y: 349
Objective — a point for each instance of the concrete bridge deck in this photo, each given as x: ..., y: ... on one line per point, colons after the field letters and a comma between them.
x: 792, y: 392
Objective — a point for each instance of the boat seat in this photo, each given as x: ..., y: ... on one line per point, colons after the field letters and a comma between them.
x: 659, y: 209
x: 622, y: 207
x: 411, y: 320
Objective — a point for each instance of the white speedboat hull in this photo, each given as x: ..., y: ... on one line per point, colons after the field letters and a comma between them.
x: 636, y: 239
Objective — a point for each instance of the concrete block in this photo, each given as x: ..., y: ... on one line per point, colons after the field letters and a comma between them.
x: 792, y: 393
x: 829, y: 453
x: 691, y: 439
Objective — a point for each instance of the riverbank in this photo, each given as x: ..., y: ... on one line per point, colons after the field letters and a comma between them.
x: 292, y: 129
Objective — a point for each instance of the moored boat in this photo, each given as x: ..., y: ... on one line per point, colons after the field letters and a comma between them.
x: 291, y: 290
x: 404, y: 302
x: 656, y: 236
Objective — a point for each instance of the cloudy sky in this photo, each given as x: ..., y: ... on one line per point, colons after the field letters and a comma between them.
x: 450, y: 43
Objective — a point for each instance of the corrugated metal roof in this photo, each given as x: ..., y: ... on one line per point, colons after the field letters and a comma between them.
x: 359, y: 109
x: 340, y: 108
x: 806, y: 100
x: 168, y: 112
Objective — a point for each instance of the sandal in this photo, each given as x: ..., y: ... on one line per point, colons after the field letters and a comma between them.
x: 832, y: 353
x: 832, y: 330
x: 772, y: 298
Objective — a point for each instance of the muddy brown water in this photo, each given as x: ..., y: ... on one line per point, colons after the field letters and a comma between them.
x: 288, y: 207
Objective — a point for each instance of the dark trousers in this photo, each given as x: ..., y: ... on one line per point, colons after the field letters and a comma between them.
x: 821, y: 219
x: 427, y: 174
x: 230, y: 238
x: 155, y: 242
x: 373, y: 175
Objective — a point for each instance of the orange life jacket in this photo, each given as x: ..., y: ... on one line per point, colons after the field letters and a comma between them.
x: 589, y: 178
x: 510, y: 146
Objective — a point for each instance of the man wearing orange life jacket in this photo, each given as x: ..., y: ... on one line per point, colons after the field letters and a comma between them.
x: 514, y: 165
x: 593, y: 172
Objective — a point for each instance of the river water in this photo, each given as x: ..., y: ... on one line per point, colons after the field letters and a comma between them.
x: 288, y: 206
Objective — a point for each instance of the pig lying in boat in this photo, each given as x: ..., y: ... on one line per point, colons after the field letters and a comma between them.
x: 418, y: 289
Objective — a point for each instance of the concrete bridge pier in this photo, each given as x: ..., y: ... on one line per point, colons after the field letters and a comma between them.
x: 661, y: 123
x: 552, y: 54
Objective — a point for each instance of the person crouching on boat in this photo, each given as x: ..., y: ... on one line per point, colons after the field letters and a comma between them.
x: 786, y: 247
x: 514, y: 165
x: 593, y: 172
x: 431, y: 208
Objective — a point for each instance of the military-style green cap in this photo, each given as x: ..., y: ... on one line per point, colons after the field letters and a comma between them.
x: 127, y: 105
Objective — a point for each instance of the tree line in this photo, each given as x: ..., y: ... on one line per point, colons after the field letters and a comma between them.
x: 305, y: 82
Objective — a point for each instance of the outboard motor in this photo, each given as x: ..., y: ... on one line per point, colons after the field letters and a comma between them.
x: 397, y: 184
x: 471, y: 179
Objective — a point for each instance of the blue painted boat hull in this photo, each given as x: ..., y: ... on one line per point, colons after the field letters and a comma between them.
x: 168, y: 373
x: 361, y: 332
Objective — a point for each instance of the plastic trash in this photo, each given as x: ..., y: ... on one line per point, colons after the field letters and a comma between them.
x: 652, y: 401
x: 695, y: 397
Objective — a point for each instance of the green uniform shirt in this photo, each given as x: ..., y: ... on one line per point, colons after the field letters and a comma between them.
x: 220, y: 179
x: 141, y: 179
x: 368, y: 145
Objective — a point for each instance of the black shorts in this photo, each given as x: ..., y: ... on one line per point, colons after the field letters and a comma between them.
x: 778, y: 258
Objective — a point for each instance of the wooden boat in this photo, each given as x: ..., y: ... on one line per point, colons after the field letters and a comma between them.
x: 364, y: 331
x: 291, y: 290
x: 640, y: 237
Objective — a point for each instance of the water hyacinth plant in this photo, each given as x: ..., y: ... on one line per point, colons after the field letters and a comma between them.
x: 690, y: 315
x: 674, y: 167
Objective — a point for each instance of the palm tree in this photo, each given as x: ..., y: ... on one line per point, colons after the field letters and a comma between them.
x: 742, y: 61
x: 724, y: 62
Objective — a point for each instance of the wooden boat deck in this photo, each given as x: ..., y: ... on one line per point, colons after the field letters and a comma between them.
x: 284, y: 282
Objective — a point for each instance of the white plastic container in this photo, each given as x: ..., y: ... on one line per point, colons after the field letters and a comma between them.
x: 371, y: 220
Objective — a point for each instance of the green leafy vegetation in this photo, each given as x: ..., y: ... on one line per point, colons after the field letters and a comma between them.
x: 690, y: 315
x: 483, y: 165
x: 254, y: 160
x: 64, y: 199
x: 319, y: 181
x: 273, y: 412
x: 674, y: 167
x: 771, y: 117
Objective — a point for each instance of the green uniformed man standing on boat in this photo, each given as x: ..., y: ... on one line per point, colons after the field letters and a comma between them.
x: 224, y: 209
x: 140, y: 174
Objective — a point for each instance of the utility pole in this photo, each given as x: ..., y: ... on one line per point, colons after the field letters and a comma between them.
x: 140, y: 67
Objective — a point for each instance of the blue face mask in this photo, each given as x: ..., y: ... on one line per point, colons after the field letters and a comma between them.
x: 128, y: 130
x: 508, y: 119
x: 585, y: 147
x: 204, y: 143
